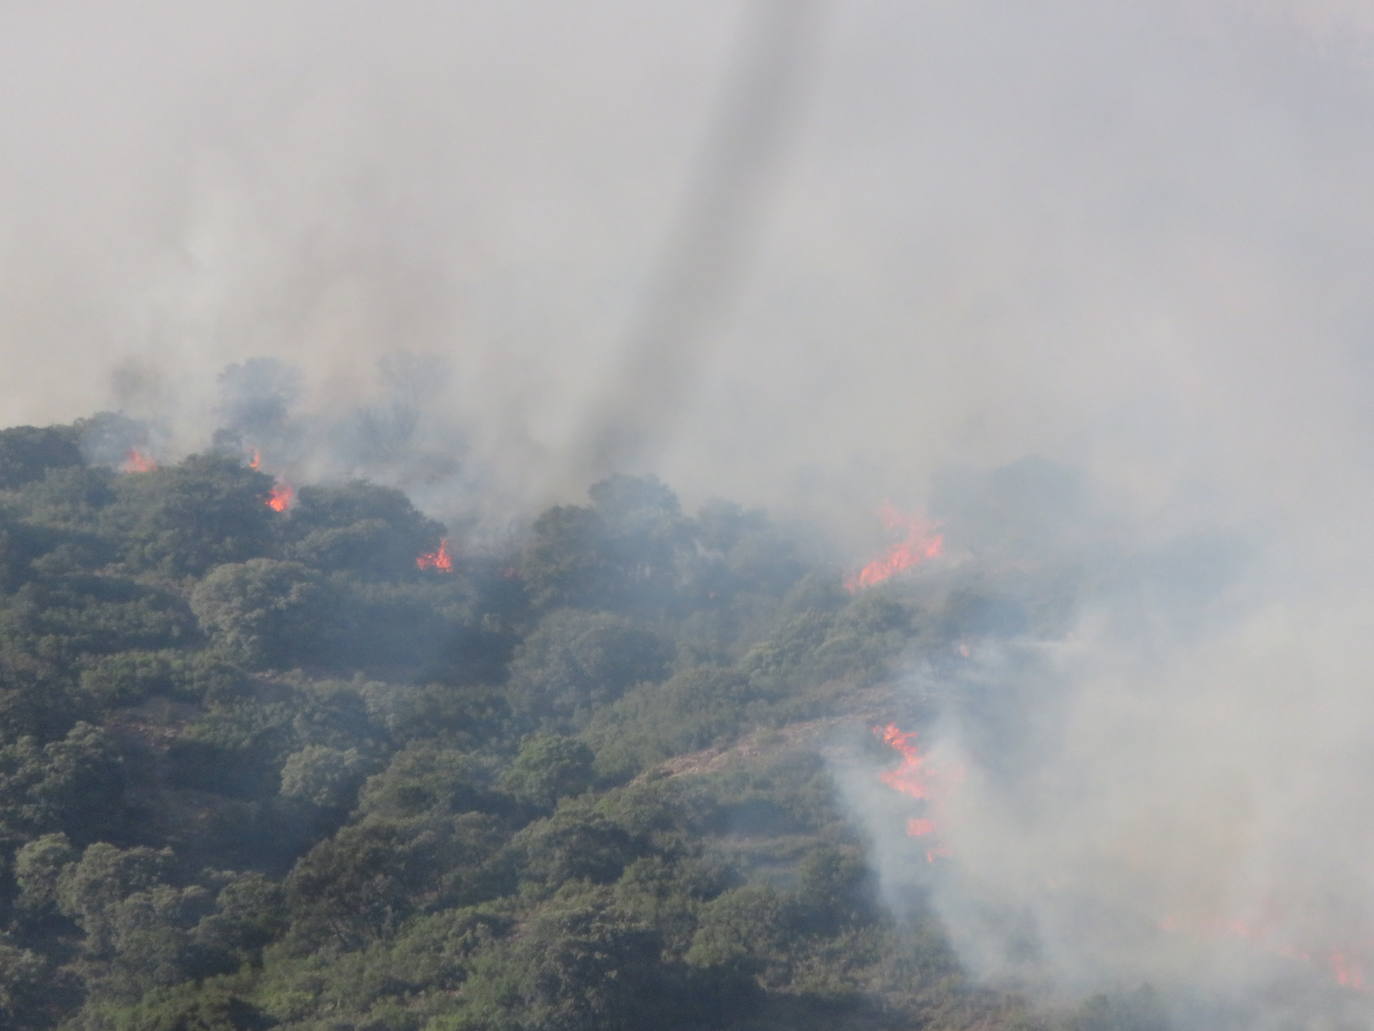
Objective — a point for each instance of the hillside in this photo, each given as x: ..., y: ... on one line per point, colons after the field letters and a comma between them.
x: 289, y: 756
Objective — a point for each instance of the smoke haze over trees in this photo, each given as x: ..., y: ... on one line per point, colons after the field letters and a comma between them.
x: 249, y: 780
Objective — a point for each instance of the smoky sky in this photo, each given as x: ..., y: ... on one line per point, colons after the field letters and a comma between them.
x: 1129, y: 237
x: 1129, y: 240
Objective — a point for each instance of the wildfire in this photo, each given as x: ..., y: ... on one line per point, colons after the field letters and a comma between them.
x: 914, y: 778
x: 920, y: 826
x: 137, y: 462
x: 1344, y: 968
x: 281, y: 497
x: 908, y: 778
x: 918, y: 543
x: 1348, y: 972
x: 440, y: 559
x: 256, y: 461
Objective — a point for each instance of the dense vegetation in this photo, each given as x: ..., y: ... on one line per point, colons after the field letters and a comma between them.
x: 258, y: 770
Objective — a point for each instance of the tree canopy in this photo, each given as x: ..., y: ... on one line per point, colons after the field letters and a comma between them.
x: 263, y: 769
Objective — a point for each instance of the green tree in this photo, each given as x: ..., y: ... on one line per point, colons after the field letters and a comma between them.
x: 548, y: 767
x: 836, y: 890
x: 325, y: 777
x: 29, y: 989
x: 643, y: 540
x: 262, y: 612
x: 575, y: 844
x: 575, y: 661
x: 426, y: 779
x: 621, y: 553
x: 149, y: 936
x: 743, y: 930
x: 89, y: 890
x: 27, y: 452
x: 74, y: 784
x: 250, y: 912
x: 692, y: 709
x: 562, y: 563
x: 84, y: 783
x: 361, y: 884
x: 580, y: 965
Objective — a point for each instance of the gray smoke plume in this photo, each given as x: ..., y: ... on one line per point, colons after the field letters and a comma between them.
x: 1149, y: 770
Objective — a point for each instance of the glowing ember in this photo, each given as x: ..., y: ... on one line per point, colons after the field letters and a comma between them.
x: 919, y: 543
x: 256, y: 461
x: 281, y: 497
x: 440, y: 559
x: 137, y: 462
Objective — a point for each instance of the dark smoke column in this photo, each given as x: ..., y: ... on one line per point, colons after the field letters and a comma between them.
x: 707, y: 248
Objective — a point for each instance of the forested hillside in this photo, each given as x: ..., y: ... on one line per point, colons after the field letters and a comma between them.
x: 295, y: 757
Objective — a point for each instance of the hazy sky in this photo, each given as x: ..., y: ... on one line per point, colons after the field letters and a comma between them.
x: 1131, y: 236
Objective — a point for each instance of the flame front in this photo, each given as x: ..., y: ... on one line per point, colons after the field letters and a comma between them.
x: 281, y: 497
x: 1345, y: 969
x: 913, y: 778
x: 1348, y: 972
x: 137, y: 462
x: 908, y: 778
x: 440, y: 559
x: 918, y: 543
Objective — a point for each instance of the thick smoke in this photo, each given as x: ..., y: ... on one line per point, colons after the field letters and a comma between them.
x: 1130, y: 239
x: 1148, y: 765
x: 1124, y: 238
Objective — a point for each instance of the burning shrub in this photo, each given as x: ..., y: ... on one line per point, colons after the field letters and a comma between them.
x: 189, y: 517
x: 359, y: 527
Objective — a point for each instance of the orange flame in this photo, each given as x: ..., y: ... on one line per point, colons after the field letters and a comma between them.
x: 919, y: 543
x: 920, y: 826
x: 440, y: 559
x: 1345, y: 969
x: 137, y: 462
x: 256, y: 461
x: 1348, y: 972
x: 908, y: 778
x: 281, y: 497
x: 913, y: 778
